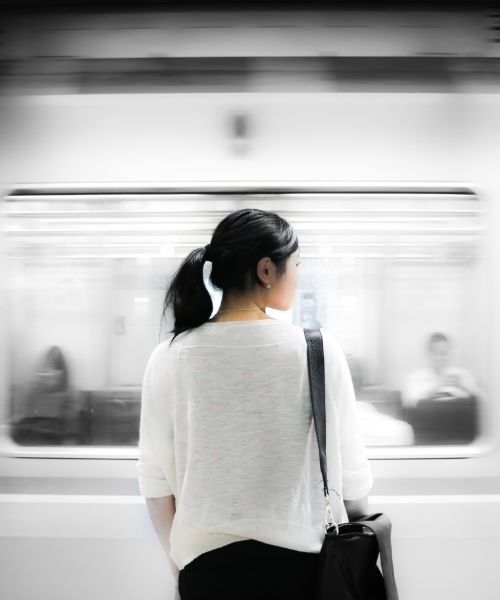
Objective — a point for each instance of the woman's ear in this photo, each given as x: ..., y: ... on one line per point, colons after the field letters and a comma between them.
x: 263, y: 269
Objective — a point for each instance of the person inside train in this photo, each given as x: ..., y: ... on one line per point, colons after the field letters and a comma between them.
x: 52, y: 373
x: 228, y: 458
x: 47, y: 402
x: 440, y: 380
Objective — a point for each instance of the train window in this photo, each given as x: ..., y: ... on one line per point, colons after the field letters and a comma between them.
x: 397, y: 275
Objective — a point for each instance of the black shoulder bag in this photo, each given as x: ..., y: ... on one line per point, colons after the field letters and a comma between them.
x: 347, y: 568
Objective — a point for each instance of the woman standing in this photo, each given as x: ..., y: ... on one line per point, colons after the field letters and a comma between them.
x: 228, y: 458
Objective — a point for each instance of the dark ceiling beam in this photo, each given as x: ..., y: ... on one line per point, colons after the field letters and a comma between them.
x: 260, y: 5
x: 241, y: 73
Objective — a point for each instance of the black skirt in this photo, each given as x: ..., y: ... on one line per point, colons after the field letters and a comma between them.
x: 249, y: 570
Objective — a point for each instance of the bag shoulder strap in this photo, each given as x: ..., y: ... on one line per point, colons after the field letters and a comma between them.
x: 316, y: 372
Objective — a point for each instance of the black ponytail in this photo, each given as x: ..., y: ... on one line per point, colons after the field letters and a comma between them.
x: 187, y: 295
x: 239, y: 241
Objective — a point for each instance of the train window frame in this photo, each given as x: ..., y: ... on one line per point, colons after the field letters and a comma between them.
x: 227, y: 191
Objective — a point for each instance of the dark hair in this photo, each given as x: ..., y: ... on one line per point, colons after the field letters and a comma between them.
x: 437, y: 337
x: 53, y: 360
x: 238, y: 242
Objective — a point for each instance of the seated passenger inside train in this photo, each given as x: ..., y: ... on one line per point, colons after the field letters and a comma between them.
x: 441, y: 401
x: 48, y: 402
x: 439, y: 381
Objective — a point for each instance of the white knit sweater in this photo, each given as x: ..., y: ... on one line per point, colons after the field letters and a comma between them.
x: 226, y: 427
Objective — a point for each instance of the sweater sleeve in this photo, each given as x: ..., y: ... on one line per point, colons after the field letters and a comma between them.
x: 357, y: 479
x: 152, y: 431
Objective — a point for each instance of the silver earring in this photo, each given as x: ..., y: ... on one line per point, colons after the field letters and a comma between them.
x: 268, y: 285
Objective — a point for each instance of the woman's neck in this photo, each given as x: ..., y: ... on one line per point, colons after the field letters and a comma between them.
x: 240, y: 308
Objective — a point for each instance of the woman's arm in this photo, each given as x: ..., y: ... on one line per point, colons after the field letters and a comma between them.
x: 162, y: 511
x: 356, y: 508
x: 357, y: 479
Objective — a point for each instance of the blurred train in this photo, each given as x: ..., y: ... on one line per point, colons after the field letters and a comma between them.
x: 126, y: 137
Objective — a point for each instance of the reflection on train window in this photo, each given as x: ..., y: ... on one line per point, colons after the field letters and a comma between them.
x: 397, y: 276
